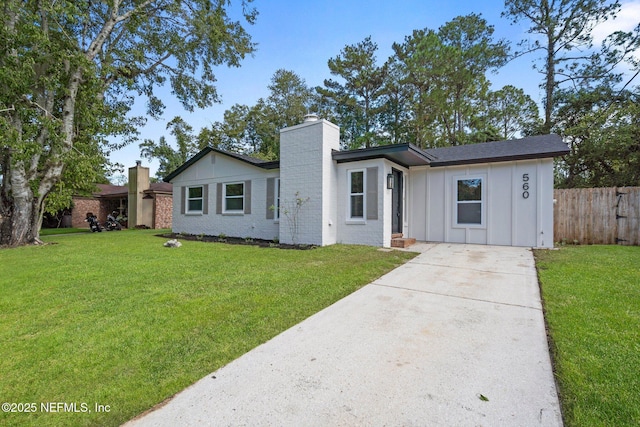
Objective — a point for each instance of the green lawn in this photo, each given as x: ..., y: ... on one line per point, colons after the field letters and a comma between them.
x: 54, y: 231
x: 592, y: 307
x: 117, y: 319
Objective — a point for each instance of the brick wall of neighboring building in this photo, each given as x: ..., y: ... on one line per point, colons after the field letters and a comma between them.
x: 163, y: 211
x: 82, y: 205
x: 101, y: 207
x: 103, y: 212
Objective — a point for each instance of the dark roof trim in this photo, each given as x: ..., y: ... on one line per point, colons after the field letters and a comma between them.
x: 533, y: 147
x: 406, y: 155
x: 498, y: 159
x: 187, y: 164
x: 264, y: 164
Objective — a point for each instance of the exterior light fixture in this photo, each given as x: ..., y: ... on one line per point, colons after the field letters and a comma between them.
x: 390, y: 181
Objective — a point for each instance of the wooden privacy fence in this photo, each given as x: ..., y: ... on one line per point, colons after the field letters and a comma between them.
x: 601, y: 216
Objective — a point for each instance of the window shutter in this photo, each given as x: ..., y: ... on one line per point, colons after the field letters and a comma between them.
x: 205, y: 199
x: 219, y: 198
x: 270, y: 197
x: 372, y: 193
x: 183, y: 192
x: 247, y: 197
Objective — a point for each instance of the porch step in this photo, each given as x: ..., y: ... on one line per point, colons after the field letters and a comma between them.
x: 396, y: 235
x: 402, y: 242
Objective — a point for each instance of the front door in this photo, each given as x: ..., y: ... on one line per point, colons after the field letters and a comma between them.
x: 396, y: 202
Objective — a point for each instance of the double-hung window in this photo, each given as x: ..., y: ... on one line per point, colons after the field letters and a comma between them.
x: 195, y: 199
x: 234, y: 197
x: 469, y: 201
x: 356, y: 194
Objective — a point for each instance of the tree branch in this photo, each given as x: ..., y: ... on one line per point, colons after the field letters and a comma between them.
x: 40, y: 107
x: 107, y: 28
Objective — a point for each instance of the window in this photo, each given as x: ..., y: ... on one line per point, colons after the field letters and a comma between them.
x: 195, y: 199
x: 469, y: 201
x: 356, y: 194
x: 234, y: 197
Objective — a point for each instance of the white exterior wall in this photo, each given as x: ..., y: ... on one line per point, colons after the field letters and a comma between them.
x: 374, y: 232
x: 508, y: 217
x: 365, y: 231
x: 217, y: 168
x: 308, y: 170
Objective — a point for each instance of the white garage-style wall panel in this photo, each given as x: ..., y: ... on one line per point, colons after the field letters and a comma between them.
x: 517, y: 204
x: 418, y: 198
x: 525, y: 210
x: 499, y: 210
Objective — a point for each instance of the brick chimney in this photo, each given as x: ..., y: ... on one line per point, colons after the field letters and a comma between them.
x: 308, y: 170
x: 138, y: 182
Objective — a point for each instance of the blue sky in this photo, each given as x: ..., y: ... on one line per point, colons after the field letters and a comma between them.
x: 302, y: 37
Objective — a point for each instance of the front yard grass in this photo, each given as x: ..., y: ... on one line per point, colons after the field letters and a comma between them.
x: 592, y: 307
x: 118, y: 320
x: 53, y: 231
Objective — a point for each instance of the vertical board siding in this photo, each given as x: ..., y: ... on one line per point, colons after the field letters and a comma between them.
x: 597, y: 216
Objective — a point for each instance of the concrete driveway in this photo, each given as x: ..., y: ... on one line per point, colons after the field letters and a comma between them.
x: 454, y: 337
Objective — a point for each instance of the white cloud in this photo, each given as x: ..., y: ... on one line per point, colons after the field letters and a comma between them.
x: 626, y: 20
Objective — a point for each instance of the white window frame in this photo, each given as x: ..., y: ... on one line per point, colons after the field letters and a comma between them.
x: 482, y: 201
x: 225, y: 197
x: 189, y: 199
x: 350, y: 217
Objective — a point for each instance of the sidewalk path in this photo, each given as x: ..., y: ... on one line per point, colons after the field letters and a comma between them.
x: 454, y: 337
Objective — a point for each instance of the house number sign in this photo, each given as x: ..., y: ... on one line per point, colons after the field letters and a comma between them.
x: 525, y: 185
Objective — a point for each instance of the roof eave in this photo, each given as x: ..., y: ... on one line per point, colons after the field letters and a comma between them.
x: 275, y: 164
x: 394, y: 153
x: 187, y: 164
x: 532, y: 156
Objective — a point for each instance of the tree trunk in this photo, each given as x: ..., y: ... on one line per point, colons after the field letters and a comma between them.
x: 22, y: 210
x: 21, y: 213
x: 549, y: 83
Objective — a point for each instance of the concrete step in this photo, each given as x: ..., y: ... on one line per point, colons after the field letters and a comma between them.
x: 402, y: 242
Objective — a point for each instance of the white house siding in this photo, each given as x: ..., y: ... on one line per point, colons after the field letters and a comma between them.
x: 365, y: 231
x: 418, y: 196
x: 508, y: 217
x: 217, y: 168
x: 374, y: 232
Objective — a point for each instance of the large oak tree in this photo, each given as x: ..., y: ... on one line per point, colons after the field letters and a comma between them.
x: 69, y: 71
